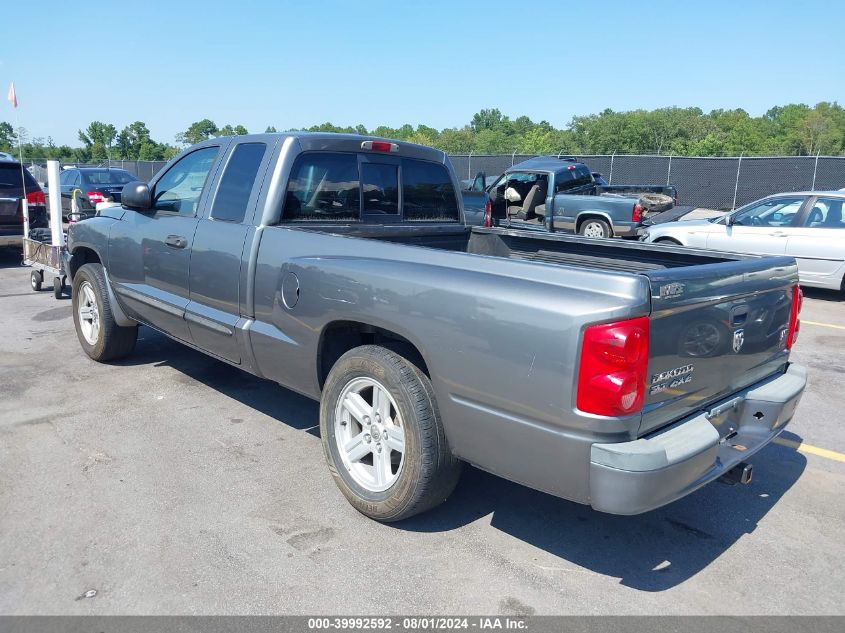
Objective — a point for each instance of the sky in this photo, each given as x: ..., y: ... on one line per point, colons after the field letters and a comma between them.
x: 297, y: 64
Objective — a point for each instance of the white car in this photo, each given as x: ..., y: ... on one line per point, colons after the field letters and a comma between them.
x: 807, y: 225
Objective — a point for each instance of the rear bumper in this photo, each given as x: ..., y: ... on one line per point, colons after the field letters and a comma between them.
x: 634, y: 477
x: 626, y: 229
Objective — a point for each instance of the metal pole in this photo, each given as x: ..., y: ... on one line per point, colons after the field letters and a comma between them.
x: 669, y: 173
x: 513, y: 156
x: 610, y: 177
x: 736, y: 184
x: 469, y: 165
x: 815, y: 168
x: 55, y: 203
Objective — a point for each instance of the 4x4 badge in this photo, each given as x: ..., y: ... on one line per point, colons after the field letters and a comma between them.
x: 739, y: 339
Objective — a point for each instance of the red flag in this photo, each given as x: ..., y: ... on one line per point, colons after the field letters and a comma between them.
x: 13, y: 98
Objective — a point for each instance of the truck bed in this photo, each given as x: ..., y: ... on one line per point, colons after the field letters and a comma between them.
x: 572, y: 250
x: 550, y: 248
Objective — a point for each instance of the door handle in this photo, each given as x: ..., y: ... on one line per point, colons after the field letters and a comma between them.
x: 778, y: 234
x: 176, y: 241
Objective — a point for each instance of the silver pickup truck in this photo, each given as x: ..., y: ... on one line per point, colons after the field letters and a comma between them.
x: 614, y: 374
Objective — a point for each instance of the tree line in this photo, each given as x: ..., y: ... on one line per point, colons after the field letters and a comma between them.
x: 790, y: 130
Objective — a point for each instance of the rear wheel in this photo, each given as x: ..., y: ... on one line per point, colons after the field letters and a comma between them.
x: 100, y: 336
x: 382, y: 435
x: 35, y: 280
x: 594, y: 227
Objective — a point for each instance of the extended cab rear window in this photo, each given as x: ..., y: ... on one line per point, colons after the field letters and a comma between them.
x: 324, y: 187
x: 327, y: 187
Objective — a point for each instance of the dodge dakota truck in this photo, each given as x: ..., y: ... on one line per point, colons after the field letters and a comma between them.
x: 614, y: 374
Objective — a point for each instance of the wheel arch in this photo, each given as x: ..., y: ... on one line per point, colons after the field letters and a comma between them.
x: 592, y: 215
x: 81, y: 255
x: 338, y: 337
x: 668, y: 239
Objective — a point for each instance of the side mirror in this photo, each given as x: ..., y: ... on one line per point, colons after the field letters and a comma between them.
x: 729, y: 219
x: 136, y: 195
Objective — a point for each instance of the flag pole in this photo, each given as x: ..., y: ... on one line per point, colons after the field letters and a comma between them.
x: 24, y: 201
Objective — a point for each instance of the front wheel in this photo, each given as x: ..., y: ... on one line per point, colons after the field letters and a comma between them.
x: 382, y: 435
x: 594, y: 227
x: 100, y: 336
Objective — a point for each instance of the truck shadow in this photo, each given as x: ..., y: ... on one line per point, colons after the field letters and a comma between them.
x: 823, y: 294
x: 650, y: 552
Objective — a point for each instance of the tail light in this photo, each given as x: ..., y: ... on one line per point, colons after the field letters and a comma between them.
x: 95, y: 197
x: 488, y: 213
x: 637, y: 213
x: 36, y: 198
x: 614, y: 367
x: 380, y: 146
x: 794, y: 321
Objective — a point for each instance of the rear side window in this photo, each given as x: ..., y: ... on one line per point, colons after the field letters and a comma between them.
x: 381, y: 188
x: 583, y: 176
x: 10, y: 177
x: 237, y: 182
x: 324, y: 187
x: 427, y: 192
x: 575, y: 176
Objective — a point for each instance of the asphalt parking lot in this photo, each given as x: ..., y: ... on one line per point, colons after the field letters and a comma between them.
x: 171, y: 483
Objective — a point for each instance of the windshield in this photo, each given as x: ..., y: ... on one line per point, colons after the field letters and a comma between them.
x: 773, y: 212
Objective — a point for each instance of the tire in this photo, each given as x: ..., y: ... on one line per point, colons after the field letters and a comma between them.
x: 58, y: 287
x: 594, y: 227
x: 100, y: 336
x: 416, y: 479
x: 35, y: 280
x: 654, y: 202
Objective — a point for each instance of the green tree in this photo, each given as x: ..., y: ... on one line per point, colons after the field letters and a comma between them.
x: 7, y: 136
x: 270, y: 130
x: 131, y: 139
x: 197, y: 132
x: 98, y: 133
x: 487, y: 119
x: 228, y: 130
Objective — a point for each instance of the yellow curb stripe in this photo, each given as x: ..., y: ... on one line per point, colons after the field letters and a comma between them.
x: 830, y: 325
x: 812, y: 450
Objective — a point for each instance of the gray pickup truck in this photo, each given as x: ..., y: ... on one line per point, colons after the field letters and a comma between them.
x: 547, y: 193
x: 613, y: 374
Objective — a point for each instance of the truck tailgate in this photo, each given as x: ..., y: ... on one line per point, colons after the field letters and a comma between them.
x: 715, y: 329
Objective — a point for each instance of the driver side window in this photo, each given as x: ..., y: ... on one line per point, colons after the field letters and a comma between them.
x: 179, y: 190
x: 778, y: 212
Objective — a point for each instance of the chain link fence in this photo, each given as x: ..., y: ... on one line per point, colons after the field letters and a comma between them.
x: 712, y: 183
x: 143, y: 169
